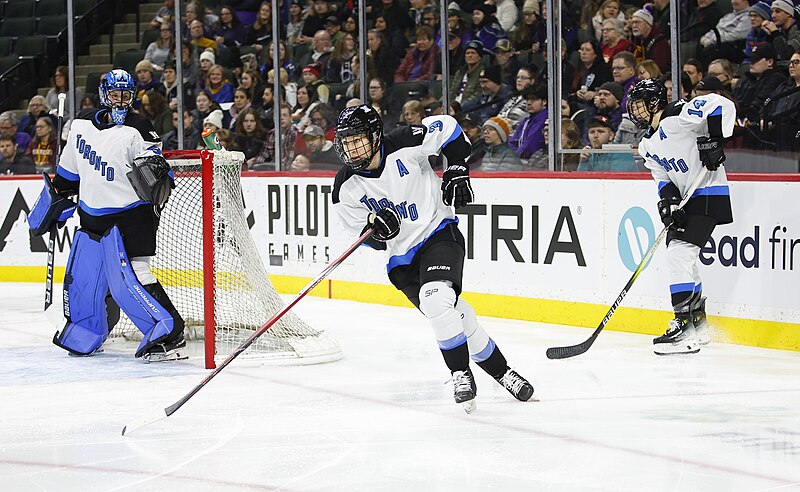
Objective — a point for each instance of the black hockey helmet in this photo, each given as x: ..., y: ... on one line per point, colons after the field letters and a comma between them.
x: 359, y: 120
x: 651, y: 92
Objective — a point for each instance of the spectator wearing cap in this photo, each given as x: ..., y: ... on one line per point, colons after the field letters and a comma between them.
x: 334, y: 27
x: 613, y: 38
x: 508, y: 63
x: 321, y: 51
x: 320, y: 150
x: 473, y: 131
x: 701, y: 19
x: 532, y: 30
x: 13, y: 160
x: 783, y: 113
x: 485, y: 27
x: 456, y: 50
x: 529, y: 136
x: 381, y: 60
x: 160, y: 50
x: 648, y: 41
x: 623, y: 70
x: 9, y: 124
x: 145, y: 80
x: 607, y: 102
x: 709, y: 85
x: 294, y: 28
x: 228, y: 30
x: 759, y: 84
x: 206, y: 60
x: 197, y: 36
x: 494, y: 94
x: 515, y: 108
x: 592, y: 72
x: 312, y: 77
x: 169, y: 86
x: 728, y: 37
x: 420, y: 62
x: 784, y: 34
x: 465, y: 85
x: 757, y: 36
x: 498, y: 156
x: 601, y: 133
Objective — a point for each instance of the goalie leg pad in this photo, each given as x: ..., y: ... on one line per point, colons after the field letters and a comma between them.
x: 50, y: 209
x: 85, y: 289
x: 147, y: 313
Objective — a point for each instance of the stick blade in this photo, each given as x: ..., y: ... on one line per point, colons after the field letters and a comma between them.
x: 567, y: 352
x: 137, y: 424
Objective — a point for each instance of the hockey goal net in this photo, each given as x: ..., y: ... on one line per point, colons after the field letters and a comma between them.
x: 209, y: 265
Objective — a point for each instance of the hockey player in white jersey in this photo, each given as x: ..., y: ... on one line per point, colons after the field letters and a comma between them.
x: 113, y: 160
x: 681, y: 138
x: 388, y: 184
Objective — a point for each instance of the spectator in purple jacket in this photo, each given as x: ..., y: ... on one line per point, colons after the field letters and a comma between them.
x: 529, y: 135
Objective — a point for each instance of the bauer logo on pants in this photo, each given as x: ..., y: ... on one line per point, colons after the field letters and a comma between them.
x: 635, y: 236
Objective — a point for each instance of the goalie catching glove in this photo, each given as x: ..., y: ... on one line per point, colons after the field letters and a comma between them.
x: 712, y: 153
x: 456, y: 189
x: 151, y: 179
x: 386, y: 224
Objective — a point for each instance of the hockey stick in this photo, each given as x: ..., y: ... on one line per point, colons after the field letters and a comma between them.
x: 166, y: 412
x: 573, y: 350
x: 51, y: 243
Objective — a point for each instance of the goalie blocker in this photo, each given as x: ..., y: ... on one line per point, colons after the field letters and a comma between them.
x: 51, y: 208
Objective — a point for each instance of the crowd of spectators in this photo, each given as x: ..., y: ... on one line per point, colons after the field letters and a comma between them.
x: 498, y: 76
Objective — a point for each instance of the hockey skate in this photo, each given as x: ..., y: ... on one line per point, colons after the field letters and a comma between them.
x: 680, y: 337
x: 464, y: 390
x: 165, y: 352
x: 516, y: 385
x: 700, y: 323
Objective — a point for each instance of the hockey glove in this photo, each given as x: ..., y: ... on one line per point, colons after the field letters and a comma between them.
x: 386, y: 224
x: 671, y: 215
x: 712, y: 154
x: 456, y: 189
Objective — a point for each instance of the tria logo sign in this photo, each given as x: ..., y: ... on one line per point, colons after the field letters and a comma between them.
x: 15, y: 226
x: 635, y: 237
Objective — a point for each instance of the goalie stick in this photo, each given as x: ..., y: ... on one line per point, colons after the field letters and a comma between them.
x: 573, y: 350
x: 51, y: 243
x: 166, y: 412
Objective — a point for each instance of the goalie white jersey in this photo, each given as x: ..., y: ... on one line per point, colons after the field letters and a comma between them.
x: 670, y: 152
x: 99, y: 155
x: 404, y: 181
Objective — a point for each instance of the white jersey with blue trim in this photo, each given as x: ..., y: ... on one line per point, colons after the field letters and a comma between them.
x: 99, y: 155
x: 405, y: 181
x: 670, y: 152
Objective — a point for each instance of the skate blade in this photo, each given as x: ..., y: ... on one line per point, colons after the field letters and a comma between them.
x: 90, y: 354
x: 469, y: 405
x: 677, y: 350
x: 168, y: 357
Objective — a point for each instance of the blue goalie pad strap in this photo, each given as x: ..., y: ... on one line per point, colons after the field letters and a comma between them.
x: 49, y: 210
x: 149, y: 316
x: 85, y: 288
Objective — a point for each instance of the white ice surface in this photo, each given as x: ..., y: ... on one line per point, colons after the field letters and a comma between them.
x: 617, y: 418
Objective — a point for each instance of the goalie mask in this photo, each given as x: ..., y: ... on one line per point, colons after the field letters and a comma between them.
x: 645, y: 99
x: 359, y: 136
x: 117, y: 90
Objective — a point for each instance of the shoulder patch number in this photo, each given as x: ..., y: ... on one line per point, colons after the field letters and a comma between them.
x: 436, y: 125
x: 698, y: 104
